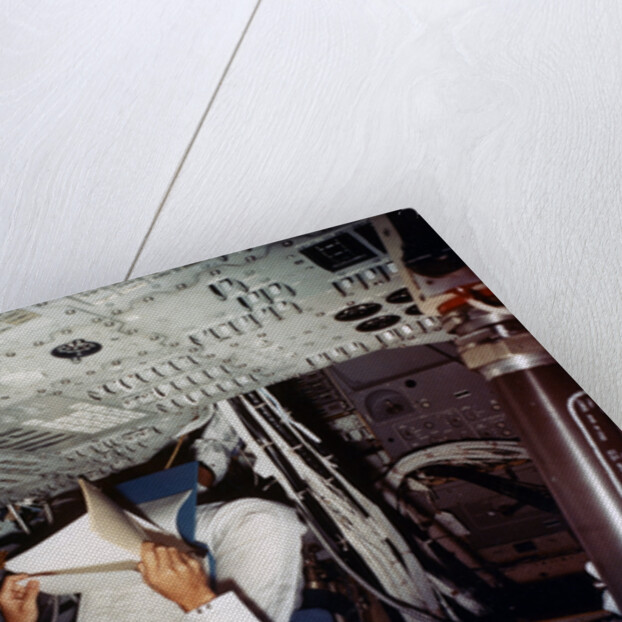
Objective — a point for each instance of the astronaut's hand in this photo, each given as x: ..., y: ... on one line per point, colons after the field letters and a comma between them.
x: 19, y: 603
x: 175, y: 575
x: 206, y: 476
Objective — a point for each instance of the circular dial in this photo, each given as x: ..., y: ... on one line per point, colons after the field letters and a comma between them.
x: 76, y: 349
x: 358, y: 312
x: 413, y: 310
x: 399, y: 296
x: 378, y: 323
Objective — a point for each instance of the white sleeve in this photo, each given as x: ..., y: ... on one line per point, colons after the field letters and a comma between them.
x: 216, y: 445
x: 224, y: 608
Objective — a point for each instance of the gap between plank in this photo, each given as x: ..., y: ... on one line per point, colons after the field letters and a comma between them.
x: 191, y: 143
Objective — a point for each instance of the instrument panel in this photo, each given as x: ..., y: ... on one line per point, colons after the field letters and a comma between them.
x: 98, y: 381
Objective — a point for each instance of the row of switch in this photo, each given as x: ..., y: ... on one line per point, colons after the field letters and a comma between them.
x: 408, y: 331
x: 136, y: 380
x: 267, y: 294
x: 200, y: 382
x: 337, y: 355
x: 115, y: 452
x: 366, y: 279
x: 216, y: 390
x: 223, y: 288
x: 453, y: 427
x: 248, y: 323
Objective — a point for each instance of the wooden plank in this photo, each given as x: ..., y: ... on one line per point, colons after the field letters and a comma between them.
x: 98, y: 103
x: 499, y: 121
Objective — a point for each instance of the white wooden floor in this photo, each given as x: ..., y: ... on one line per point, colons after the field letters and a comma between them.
x: 138, y: 136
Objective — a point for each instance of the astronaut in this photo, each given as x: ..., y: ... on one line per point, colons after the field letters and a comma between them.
x: 256, y: 545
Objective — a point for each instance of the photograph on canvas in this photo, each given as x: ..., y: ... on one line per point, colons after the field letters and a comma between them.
x: 346, y: 426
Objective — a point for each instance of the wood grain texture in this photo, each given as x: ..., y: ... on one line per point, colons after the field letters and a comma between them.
x: 98, y: 103
x: 499, y: 121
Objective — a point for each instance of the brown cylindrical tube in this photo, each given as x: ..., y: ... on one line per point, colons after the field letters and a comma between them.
x: 578, y: 451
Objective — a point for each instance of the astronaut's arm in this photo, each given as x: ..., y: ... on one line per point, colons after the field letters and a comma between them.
x: 182, y: 579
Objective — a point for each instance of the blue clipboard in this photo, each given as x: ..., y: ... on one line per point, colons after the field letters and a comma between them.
x: 166, y: 483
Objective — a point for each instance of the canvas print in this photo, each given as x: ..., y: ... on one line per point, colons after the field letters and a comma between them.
x: 347, y: 426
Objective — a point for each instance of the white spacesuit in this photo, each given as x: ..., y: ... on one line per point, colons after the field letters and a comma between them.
x: 256, y: 544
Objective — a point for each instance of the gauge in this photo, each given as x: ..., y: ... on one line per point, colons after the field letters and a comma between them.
x: 399, y: 296
x: 378, y: 323
x: 358, y: 312
x: 413, y: 310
